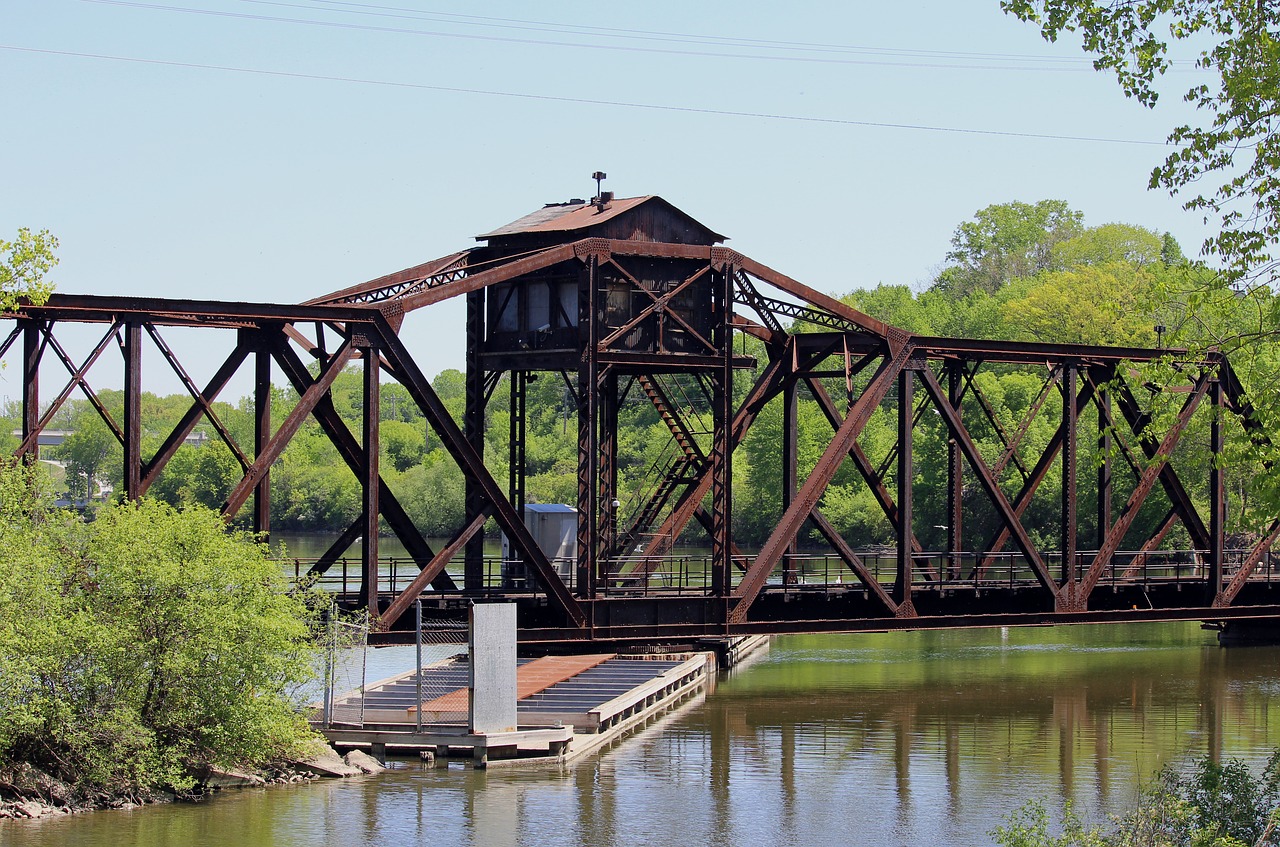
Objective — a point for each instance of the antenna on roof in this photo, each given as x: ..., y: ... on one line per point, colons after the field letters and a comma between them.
x: 602, y: 197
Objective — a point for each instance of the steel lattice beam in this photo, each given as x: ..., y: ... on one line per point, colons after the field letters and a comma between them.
x: 365, y: 319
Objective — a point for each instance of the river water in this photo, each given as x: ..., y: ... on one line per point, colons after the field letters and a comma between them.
x: 905, y: 738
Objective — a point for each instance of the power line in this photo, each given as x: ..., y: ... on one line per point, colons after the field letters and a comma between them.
x: 580, y: 45
x: 371, y: 9
x: 661, y: 107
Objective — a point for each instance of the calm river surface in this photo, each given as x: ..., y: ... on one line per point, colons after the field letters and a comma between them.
x: 906, y: 738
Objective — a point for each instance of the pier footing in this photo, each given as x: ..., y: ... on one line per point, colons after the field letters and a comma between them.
x: 1244, y: 633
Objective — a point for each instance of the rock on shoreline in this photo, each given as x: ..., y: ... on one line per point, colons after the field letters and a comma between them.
x: 28, y: 792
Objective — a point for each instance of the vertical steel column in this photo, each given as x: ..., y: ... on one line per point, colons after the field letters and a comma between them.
x: 31, y: 351
x: 1217, y: 490
x: 588, y: 447
x: 955, y: 478
x: 1104, y: 468
x: 473, y: 431
x: 608, y: 461
x: 1069, y: 481
x: 517, y: 432
x: 721, y: 443
x: 906, y: 473
x: 262, y: 434
x: 372, y: 418
x: 132, y: 410
x: 790, y: 451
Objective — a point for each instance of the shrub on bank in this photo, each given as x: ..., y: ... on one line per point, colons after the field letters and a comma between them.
x: 1214, y: 805
x: 142, y: 647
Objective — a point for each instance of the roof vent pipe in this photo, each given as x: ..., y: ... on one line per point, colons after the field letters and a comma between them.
x: 602, y: 198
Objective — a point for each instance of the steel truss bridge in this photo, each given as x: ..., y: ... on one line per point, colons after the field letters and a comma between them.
x: 651, y: 317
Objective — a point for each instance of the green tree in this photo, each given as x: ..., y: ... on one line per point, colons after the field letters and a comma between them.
x: 88, y: 451
x: 1212, y: 805
x: 1115, y: 242
x: 202, y: 475
x: 1093, y: 304
x: 403, y: 444
x: 433, y: 495
x: 1171, y: 251
x: 1006, y: 241
x: 1237, y: 146
x: 143, y: 646
x: 1030, y: 827
x: 314, y: 494
x: 896, y: 305
x: 23, y: 265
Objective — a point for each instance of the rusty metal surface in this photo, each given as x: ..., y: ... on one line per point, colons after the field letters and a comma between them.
x: 572, y: 218
x: 635, y: 354
x: 393, y: 285
x: 1037, y: 475
x: 655, y: 620
x: 808, y: 495
x: 567, y: 217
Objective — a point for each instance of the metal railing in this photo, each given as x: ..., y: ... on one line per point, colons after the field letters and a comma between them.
x: 690, y: 573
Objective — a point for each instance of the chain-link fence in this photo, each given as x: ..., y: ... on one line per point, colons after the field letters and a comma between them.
x: 345, y: 662
x: 441, y: 680
x: 434, y: 692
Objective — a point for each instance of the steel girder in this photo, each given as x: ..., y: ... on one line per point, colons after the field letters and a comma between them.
x: 873, y: 358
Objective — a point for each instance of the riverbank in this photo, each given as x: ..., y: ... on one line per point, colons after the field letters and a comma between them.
x: 27, y: 793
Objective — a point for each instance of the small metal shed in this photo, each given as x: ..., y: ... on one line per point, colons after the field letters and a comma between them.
x: 554, y: 526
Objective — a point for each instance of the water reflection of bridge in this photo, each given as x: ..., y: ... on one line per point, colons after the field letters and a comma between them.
x: 902, y: 728
x: 631, y: 301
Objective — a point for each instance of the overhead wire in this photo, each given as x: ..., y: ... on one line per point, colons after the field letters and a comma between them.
x: 344, y: 25
x: 651, y: 35
x: 1077, y: 63
x: 699, y: 110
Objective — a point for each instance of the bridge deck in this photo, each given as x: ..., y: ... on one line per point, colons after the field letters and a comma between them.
x: 676, y: 603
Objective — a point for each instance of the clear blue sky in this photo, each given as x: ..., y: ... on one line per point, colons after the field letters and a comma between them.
x: 253, y: 150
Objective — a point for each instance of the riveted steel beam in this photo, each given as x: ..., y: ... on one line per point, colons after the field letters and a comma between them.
x: 1006, y: 512
x: 349, y: 449
x: 460, y: 449
x: 77, y: 380
x: 1102, y: 559
x: 816, y: 484
x: 433, y: 569
x: 1037, y: 475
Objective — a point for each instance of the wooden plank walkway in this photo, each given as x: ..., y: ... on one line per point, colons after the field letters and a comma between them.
x: 531, y: 678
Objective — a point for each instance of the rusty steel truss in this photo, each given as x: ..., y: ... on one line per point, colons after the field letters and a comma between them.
x: 654, y: 322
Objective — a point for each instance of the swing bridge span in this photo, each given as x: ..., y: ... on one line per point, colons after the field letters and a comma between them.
x: 633, y: 301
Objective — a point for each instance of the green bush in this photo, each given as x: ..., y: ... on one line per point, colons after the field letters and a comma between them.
x: 1213, y: 805
x: 141, y: 647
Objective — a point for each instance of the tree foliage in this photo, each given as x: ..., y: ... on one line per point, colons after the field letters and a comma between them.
x: 1212, y: 805
x: 23, y: 265
x: 1228, y: 164
x: 141, y: 646
x: 1090, y: 304
x: 87, y: 451
x: 197, y: 475
x: 1006, y: 241
x: 1115, y: 242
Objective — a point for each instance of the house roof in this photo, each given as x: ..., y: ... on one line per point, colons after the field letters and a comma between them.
x: 579, y: 214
